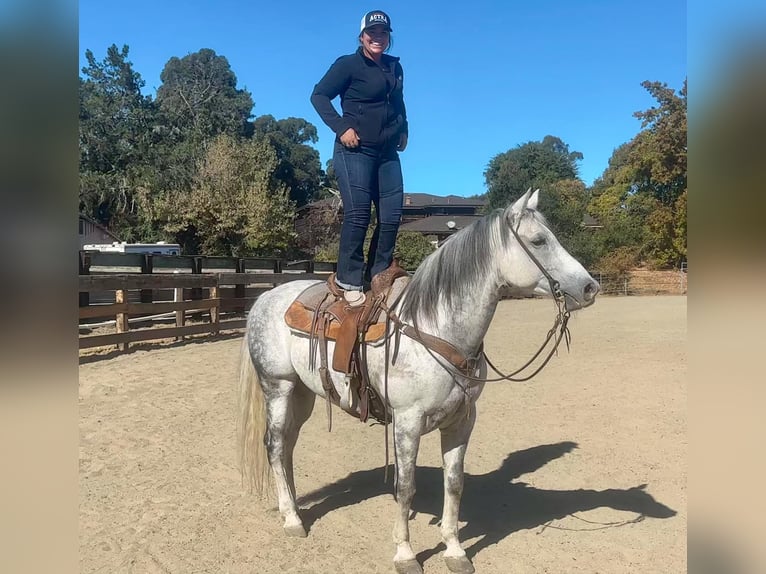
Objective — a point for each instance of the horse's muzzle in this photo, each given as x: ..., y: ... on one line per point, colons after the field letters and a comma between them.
x: 584, y: 299
x: 590, y: 291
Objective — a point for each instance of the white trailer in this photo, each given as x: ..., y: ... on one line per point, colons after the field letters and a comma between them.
x: 159, y: 248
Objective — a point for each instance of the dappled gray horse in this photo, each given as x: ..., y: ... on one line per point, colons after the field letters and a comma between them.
x: 452, y: 296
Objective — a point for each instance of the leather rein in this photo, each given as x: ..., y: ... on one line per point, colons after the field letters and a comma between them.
x: 557, y: 332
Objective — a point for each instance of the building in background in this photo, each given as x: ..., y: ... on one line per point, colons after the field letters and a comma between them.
x: 91, y: 231
x: 422, y: 205
x: 424, y: 213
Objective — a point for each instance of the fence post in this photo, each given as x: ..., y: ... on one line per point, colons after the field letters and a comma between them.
x: 239, y: 289
x: 84, y: 268
x: 178, y: 296
x: 196, y: 292
x: 215, y: 315
x: 277, y: 269
x: 122, y: 324
x: 147, y: 267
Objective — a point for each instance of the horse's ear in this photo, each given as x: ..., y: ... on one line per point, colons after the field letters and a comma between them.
x: 515, y: 210
x: 532, y: 203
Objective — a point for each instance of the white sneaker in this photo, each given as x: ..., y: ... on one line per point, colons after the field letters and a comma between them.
x: 354, y: 298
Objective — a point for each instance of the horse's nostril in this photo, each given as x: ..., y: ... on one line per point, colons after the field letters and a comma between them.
x: 590, y: 290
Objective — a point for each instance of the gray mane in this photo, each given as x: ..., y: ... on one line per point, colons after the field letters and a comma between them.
x: 459, y: 267
x: 456, y: 269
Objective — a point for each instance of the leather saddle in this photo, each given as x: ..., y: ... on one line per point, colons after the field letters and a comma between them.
x: 322, y: 313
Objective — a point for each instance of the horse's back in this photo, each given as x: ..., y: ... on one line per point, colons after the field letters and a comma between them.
x: 267, y: 333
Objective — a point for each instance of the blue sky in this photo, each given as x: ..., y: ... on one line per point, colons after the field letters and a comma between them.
x: 480, y: 77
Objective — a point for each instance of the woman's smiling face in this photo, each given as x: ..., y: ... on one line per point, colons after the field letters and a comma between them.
x: 375, y: 40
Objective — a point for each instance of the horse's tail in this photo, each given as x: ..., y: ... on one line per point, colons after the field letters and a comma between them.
x: 251, y: 425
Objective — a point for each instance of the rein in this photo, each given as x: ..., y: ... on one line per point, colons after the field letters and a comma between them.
x: 559, y: 330
x: 559, y: 324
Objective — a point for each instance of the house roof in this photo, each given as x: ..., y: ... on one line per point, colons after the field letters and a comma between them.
x: 437, y: 224
x: 99, y: 225
x: 415, y: 200
x: 329, y: 202
x: 426, y: 199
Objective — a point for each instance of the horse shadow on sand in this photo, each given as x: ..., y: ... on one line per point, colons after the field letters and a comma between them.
x: 492, y: 506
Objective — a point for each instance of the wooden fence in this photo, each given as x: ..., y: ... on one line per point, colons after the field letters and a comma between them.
x: 216, y: 291
x: 212, y: 294
x: 644, y: 282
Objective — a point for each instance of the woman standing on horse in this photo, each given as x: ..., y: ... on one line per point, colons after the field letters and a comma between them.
x: 369, y: 134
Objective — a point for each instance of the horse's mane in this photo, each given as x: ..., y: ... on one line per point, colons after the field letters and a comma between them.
x: 454, y: 270
x: 458, y: 269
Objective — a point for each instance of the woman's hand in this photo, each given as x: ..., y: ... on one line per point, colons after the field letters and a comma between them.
x: 349, y: 138
x: 402, y: 142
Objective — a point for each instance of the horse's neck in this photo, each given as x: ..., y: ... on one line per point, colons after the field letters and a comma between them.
x: 466, y: 325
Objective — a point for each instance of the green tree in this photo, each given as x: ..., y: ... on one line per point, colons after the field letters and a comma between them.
x: 612, y: 205
x: 328, y: 251
x: 659, y: 243
x: 412, y: 248
x: 616, y: 266
x: 232, y: 207
x: 533, y: 164
x: 299, y: 166
x: 641, y: 197
x: 115, y: 135
x: 329, y: 181
x: 659, y: 151
x: 199, y: 96
x: 320, y: 227
x: 550, y: 166
x: 198, y: 100
x: 660, y: 157
x: 564, y: 203
x: 679, y: 225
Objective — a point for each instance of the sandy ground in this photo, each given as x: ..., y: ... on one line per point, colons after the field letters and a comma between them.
x: 581, y: 470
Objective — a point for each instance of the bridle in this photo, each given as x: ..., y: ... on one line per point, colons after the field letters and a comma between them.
x: 557, y: 332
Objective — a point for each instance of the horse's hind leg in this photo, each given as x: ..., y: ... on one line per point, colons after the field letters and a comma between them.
x: 454, y: 441
x: 289, y: 406
x: 408, y: 426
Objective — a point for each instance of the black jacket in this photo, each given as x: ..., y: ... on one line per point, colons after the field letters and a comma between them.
x: 371, y: 98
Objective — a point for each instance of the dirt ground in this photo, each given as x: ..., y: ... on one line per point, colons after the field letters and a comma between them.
x: 581, y: 470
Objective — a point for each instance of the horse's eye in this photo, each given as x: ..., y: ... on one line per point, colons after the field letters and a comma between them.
x: 538, y: 241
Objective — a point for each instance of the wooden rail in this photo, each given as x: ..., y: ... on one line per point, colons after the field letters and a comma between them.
x: 220, y: 290
x: 206, y: 295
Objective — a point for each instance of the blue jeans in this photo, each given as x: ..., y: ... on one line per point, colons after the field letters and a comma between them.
x: 366, y: 176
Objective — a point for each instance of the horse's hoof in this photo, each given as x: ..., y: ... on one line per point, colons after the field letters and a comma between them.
x: 296, y: 530
x: 459, y: 564
x: 408, y: 567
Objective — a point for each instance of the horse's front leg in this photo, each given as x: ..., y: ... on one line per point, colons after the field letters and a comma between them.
x: 454, y: 441
x: 408, y: 426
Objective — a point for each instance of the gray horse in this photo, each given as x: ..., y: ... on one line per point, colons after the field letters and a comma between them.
x: 453, y: 296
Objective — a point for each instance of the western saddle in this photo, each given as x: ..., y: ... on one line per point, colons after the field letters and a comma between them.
x: 322, y: 313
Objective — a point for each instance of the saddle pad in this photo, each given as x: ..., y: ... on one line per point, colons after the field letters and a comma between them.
x: 300, y: 314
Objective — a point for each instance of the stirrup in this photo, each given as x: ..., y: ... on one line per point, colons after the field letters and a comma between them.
x: 347, y: 396
x: 354, y: 298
